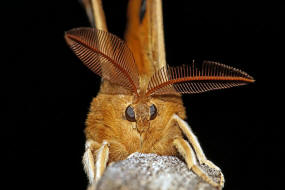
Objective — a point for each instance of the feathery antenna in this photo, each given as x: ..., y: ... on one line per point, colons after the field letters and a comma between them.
x: 106, y: 55
x: 190, y: 79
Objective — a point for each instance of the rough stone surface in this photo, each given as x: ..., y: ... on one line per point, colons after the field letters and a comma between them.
x: 152, y: 172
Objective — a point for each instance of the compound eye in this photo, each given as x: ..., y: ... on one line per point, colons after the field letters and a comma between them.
x: 130, y: 114
x: 153, y: 112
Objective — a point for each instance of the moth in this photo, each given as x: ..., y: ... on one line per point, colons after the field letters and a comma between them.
x: 139, y: 106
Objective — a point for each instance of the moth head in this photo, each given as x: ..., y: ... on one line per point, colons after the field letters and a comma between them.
x: 141, y: 114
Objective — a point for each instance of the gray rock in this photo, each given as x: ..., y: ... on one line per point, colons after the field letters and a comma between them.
x: 152, y: 172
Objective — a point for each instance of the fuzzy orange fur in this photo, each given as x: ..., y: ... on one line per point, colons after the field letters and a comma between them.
x: 106, y: 121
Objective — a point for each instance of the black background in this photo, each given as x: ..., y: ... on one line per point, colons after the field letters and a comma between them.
x: 53, y: 89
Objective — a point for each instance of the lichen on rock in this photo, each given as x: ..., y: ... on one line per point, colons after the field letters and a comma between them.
x: 152, y: 172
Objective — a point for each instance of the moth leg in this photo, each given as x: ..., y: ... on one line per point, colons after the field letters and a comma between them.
x: 186, y: 129
x: 95, y: 159
x: 187, y: 152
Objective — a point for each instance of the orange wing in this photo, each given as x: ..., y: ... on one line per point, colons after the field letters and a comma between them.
x: 95, y: 13
x: 144, y: 35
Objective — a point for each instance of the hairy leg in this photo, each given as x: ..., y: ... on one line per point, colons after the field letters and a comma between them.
x: 186, y: 151
x: 95, y: 159
x: 196, y: 146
